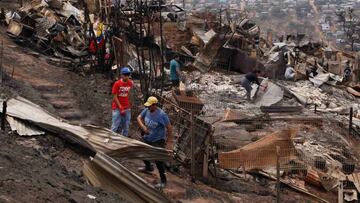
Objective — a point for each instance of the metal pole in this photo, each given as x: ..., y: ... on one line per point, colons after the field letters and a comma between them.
x: 3, y: 116
x: 161, y: 51
x: 192, y: 136
x: 220, y: 15
x: 277, y: 174
x: 350, y: 120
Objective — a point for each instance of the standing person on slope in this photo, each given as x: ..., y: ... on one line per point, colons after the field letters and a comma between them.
x: 121, y: 105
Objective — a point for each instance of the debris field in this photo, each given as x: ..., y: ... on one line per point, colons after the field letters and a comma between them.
x: 285, y: 138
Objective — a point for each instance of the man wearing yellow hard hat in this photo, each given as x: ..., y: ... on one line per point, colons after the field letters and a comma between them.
x: 157, y: 131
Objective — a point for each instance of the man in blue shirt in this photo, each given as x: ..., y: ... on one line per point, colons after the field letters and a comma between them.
x: 175, y: 72
x: 155, y: 125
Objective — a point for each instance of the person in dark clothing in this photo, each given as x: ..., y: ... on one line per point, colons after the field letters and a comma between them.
x: 347, y: 72
x: 157, y: 130
x: 250, y: 78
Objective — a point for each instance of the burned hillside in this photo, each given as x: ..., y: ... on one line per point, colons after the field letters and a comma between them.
x: 248, y: 118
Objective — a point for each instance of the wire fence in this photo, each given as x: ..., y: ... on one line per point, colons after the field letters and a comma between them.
x: 293, y: 155
x: 195, y: 145
x: 192, y: 135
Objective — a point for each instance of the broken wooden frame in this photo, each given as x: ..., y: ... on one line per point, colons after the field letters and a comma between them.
x: 183, y: 122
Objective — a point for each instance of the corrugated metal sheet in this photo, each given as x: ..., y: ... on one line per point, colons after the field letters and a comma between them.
x: 105, y: 172
x: 95, y: 138
x: 22, y: 128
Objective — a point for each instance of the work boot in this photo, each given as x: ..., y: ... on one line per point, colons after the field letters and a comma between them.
x: 160, y: 186
x: 146, y: 170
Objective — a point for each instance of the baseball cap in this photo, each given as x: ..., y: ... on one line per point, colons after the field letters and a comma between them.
x: 125, y: 71
x: 150, y: 101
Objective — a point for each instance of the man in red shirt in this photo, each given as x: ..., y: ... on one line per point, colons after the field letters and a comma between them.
x: 121, y: 113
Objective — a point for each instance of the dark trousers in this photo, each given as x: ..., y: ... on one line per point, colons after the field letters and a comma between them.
x: 159, y: 164
x: 247, y: 85
x: 175, y: 83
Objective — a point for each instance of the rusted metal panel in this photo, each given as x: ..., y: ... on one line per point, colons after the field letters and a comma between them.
x: 262, y: 153
x: 188, y: 101
x: 280, y: 109
x: 234, y: 116
x: 313, y: 178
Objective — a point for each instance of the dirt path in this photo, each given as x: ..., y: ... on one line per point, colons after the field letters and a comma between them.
x: 68, y: 95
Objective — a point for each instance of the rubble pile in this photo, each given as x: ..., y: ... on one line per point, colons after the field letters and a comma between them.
x: 293, y: 125
x: 53, y: 27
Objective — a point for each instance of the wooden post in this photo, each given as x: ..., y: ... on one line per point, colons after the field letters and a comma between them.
x: 277, y: 174
x: 350, y: 121
x: 192, y: 140
x: 315, y: 107
x: 244, y: 171
x: 206, y: 162
x: 161, y: 50
x: 2, y: 71
x: 12, y: 72
x: 341, y: 192
x: 3, y: 116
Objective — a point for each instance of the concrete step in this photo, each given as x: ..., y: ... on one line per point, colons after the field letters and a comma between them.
x: 52, y: 96
x: 47, y: 88
x: 62, y: 104
x: 71, y: 114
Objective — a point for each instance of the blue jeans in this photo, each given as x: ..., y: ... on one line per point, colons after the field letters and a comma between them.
x: 120, y: 123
